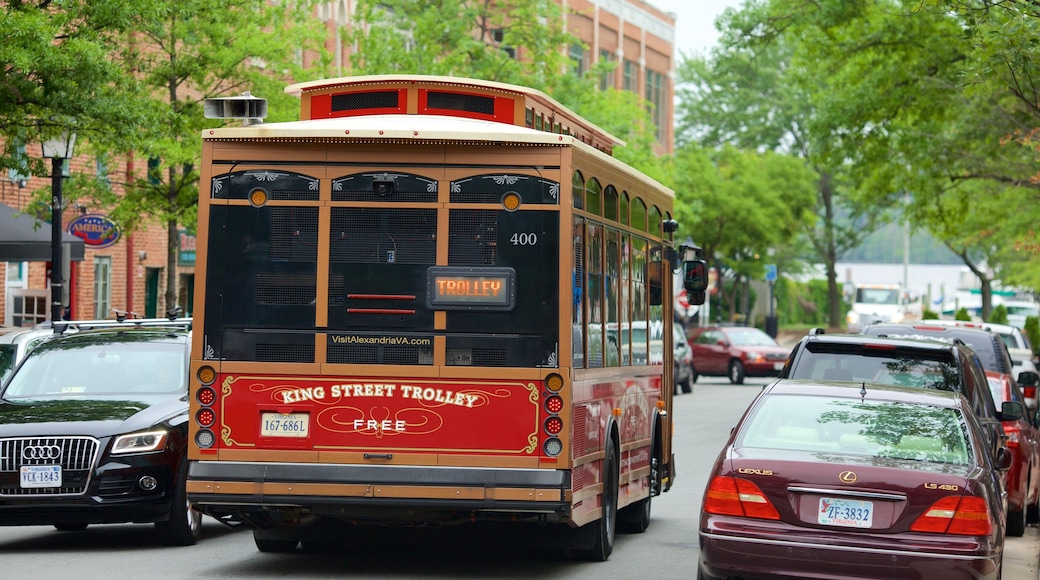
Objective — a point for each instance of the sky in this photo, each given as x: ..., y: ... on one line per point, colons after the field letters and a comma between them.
x: 694, y: 23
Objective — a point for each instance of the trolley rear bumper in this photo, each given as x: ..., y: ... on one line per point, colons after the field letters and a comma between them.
x: 237, y: 490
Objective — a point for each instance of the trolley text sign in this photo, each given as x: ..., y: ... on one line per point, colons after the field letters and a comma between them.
x: 366, y: 414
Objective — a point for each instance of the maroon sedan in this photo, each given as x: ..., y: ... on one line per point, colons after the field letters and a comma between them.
x: 735, y: 352
x: 828, y: 480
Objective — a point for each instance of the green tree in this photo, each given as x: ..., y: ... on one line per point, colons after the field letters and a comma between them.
x: 59, y: 72
x: 748, y: 94
x: 183, y: 52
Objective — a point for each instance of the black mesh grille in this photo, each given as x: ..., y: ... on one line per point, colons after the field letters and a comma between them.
x: 371, y: 355
x: 477, y: 357
x: 367, y: 100
x: 116, y: 485
x: 404, y: 188
x: 473, y: 237
x: 461, y: 102
x: 383, y: 235
x: 476, y: 197
x: 284, y: 353
x: 294, y: 194
x: 285, y: 289
x: 294, y: 234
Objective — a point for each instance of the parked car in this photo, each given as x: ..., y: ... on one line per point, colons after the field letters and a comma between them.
x: 16, y: 343
x: 1023, y: 479
x: 841, y: 480
x: 911, y: 362
x: 94, y: 428
x: 682, y: 361
x: 735, y: 352
x: 988, y: 345
x: 1019, y: 349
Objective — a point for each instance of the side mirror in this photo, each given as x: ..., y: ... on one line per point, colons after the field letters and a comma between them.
x: 1028, y: 379
x: 695, y: 276
x: 1004, y: 459
x: 1011, y: 411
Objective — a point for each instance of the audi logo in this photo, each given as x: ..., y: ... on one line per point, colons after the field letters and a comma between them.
x: 46, y: 452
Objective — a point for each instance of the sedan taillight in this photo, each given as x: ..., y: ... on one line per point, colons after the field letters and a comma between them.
x: 965, y: 516
x: 733, y: 496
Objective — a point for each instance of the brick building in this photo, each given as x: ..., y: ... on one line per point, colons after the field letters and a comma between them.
x: 128, y: 273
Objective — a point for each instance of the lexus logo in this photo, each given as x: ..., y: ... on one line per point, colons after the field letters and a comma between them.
x: 848, y: 477
x: 38, y: 452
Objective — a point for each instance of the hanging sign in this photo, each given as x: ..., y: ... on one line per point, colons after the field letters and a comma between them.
x: 96, y: 230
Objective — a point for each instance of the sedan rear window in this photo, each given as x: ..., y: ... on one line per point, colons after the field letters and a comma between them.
x: 912, y: 431
x: 886, y: 366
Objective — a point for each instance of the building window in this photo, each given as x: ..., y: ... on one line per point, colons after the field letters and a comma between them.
x: 655, y: 98
x: 609, y: 79
x: 579, y: 60
x: 102, y: 286
x: 631, y: 77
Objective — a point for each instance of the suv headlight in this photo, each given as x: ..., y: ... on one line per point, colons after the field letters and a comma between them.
x: 140, y: 442
x: 852, y: 317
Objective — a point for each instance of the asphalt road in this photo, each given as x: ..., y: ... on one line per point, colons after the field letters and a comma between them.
x: 667, y: 550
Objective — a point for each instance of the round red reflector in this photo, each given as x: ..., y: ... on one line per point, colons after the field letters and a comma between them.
x: 206, y: 396
x: 554, y: 404
x: 553, y: 425
x: 205, y: 417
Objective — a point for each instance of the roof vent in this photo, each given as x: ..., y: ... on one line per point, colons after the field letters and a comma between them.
x: 245, y: 106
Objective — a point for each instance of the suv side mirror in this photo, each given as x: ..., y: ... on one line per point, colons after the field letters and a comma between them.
x: 1011, y: 411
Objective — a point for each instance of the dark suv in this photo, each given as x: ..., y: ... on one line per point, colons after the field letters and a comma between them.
x: 928, y: 364
x: 94, y: 428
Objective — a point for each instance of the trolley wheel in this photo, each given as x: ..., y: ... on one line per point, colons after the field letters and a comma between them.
x: 605, y: 526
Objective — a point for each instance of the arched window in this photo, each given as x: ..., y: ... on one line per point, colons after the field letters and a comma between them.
x: 624, y: 208
x: 639, y: 214
x: 610, y: 203
x: 655, y: 221
x: 593, y: 197
x: 578, y: 190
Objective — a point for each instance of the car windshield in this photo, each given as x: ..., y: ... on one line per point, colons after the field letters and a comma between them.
x: 750, y: 337
x: 7, y: 354
x: 886, y: 366
x: 866, y: 427
x: 877, y: 295
x: 1025, y: 310
x: 88, y: 369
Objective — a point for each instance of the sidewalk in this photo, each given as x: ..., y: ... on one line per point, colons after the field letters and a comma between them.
x: 1022, y: 555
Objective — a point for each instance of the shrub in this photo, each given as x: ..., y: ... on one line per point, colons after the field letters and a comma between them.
x: 1032, y: 329
x: 929, y: 314
x: 999, y: 315
x: 962, y: 314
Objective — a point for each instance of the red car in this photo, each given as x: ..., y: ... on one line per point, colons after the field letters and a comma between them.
x: 1023, y: 440
x: 735, y: 352
x: 842, y: 480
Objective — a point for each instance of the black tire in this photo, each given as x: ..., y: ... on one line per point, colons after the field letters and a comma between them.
x: 184, y: 525
x: 70, y: 527
x: 687, y: 385
x: 605, y: 527
x: 1016, y: 523
x: 274, y: 545
x: 693, y: 375
x: 736, y: 372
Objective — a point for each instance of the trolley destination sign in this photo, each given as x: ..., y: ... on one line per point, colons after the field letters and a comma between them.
x: 475, y: 288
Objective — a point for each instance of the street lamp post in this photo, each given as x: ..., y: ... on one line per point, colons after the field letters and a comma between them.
x: 57, y: 149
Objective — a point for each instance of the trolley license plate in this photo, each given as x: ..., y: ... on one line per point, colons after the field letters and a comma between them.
x: 40, y: 476
x: 284, y: 424
x: 847, y: 513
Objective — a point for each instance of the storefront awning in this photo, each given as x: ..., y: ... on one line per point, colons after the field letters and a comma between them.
x: 23, y: 238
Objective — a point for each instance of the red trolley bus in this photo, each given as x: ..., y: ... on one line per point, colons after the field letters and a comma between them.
x: 430, y: 301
